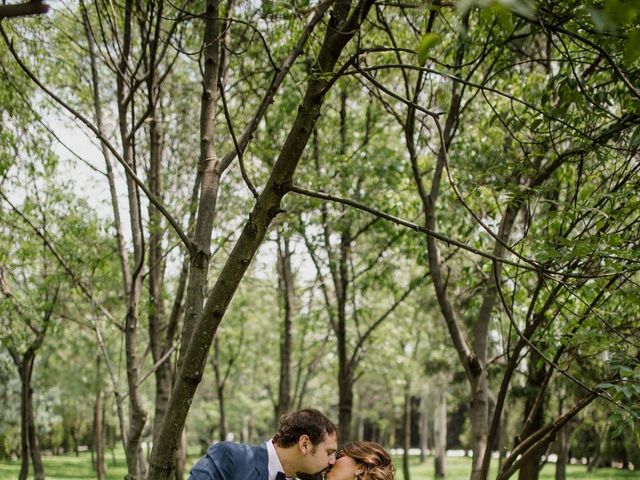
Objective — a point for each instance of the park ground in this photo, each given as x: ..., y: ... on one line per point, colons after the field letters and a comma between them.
x: 68, y: 467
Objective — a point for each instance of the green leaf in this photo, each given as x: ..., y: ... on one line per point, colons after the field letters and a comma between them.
x: 503, y: 15
x: 621, y: 12
x: 427, y: 42
x: 526, y: 8
x: 626, y: 371
x: 582, y: 248
x: 601, y: 19
x: 605, y: 385
x: 635, y: 138
x: 632, y: 46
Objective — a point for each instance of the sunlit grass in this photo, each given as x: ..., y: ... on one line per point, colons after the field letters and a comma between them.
x: 63, y: 467
x: 70, y: 467
x: 458, y: 468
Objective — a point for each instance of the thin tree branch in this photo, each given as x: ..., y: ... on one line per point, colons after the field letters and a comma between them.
x: 33, y: 7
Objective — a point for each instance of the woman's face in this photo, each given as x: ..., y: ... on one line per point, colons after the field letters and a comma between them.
x: 345, y: 468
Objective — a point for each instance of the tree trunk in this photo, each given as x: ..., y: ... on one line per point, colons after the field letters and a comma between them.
x: 424, y: 429
x: 158, y: 327
x: 440, y: 434
x: 98, y: 437
x: 222, y: 422
x: 530, y: 468
x: 288, y: 295
x: 345, y: 373
x: 563, y: 446
x: 209, y: 179
x: 25, y: 452
x: 502, y: 437
x: 360, y: 434
x: 34, y: 449
x: 181, y: 461
x: 391, y: 432
x: 122, y: 249
x: 479, y: 376
x: 98, y: 422
x: 479, y: 421
x: 406, y: 431
x: 223, y: 414
x: 28, y: 438
x: 76, y: 443
x: 161, y: 331
x: 136, y: 463
x: 345, y: 405
x: 341, y: 284
x: 472, y: 359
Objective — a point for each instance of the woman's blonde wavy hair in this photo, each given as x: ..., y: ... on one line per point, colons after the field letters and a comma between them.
x: 372, y: 457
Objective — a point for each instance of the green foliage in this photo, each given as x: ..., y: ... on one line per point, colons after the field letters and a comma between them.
x: 619, y: 17
x: 427, y: 42
x: 501, y: 7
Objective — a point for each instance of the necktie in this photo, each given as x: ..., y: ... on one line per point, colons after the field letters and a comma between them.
x: 281, y: 476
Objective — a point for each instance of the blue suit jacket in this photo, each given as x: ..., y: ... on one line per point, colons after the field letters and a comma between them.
x: 232, y: 461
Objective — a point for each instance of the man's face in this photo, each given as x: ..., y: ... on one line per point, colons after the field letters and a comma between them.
x: 319, y: 458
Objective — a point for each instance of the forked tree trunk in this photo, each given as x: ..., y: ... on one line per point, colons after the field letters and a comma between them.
x: 340, y: 30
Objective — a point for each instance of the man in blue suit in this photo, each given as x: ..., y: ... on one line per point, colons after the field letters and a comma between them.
x: 306, y: 443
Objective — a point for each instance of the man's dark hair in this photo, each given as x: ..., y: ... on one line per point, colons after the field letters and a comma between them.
x: 309, y: 421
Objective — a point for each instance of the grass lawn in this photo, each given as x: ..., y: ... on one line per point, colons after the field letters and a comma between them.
x: 459, y: 468
x: 65, y: 467
x: 70, y: 467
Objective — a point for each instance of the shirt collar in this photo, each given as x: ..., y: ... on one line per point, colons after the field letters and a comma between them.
x: 274, y: 462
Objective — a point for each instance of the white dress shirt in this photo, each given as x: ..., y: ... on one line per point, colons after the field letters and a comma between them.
x: 274, y: 462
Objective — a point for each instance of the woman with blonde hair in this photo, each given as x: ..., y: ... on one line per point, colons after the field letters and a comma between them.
x: 361, y: 461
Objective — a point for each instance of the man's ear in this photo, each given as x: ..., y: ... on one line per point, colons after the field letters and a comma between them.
x: 304, y: 444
